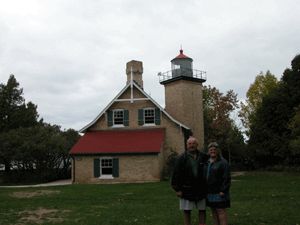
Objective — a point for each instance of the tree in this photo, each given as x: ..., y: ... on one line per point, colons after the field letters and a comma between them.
x: 294, y: 126
x: 217, y: 109
x: 43, y: 148
x: 32, y: 144
x: 270, y: 136
x: 261, y: 87
x: 71, y: 137
x: 10, y: 101
x: 14, y: 113
x: 218, y: 126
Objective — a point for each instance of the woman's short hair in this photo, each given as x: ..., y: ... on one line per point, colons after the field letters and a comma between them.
x: 213, y: 144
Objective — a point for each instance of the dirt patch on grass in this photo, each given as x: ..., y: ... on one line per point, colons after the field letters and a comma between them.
x: 236, y: 174
x: 40, y: 216
x: 30, y: 194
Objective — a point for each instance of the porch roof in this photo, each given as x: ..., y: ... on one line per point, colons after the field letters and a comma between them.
x: 130, y: 141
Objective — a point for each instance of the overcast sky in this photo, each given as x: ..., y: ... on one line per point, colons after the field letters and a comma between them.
x: 70, y: 56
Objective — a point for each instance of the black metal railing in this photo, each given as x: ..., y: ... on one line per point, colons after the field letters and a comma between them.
x: 198, y: 74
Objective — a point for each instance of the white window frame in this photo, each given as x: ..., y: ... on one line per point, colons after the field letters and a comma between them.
x: 176, y: 67
x: 149, y: 124
x: 106, y: 176
x: 118, y: 125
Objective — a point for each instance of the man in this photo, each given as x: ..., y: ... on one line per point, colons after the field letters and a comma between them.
x: 189, y: 181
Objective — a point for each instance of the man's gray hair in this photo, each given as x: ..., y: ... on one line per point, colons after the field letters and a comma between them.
x: 192, y: 138
x: 213, y: 144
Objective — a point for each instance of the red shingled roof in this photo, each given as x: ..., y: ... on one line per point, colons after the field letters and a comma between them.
x: 181, y: 55
x: 136, y: 141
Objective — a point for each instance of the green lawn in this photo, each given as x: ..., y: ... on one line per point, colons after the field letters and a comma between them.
x: 257, y: 198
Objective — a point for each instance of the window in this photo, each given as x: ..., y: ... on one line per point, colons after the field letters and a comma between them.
x: 106, y: 167
x: 118, y: 118
x: 176, y: 67
x: 149, y: 117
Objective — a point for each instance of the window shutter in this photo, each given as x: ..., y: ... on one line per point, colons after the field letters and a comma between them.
x: 96, y: 167
x: 115, y: 167
x: 141, y: 117
x: 109, y: 118
x: 157, y: 116
x: 126, y: 117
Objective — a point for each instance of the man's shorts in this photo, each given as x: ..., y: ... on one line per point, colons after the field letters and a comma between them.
x: 188, y: 205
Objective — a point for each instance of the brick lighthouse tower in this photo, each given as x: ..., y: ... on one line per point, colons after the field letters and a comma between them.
x: 183, y: 94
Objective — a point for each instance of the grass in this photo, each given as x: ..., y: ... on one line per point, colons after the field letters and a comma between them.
x: 257, y: 198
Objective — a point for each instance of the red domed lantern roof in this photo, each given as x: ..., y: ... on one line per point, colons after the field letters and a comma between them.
x: 182, y: 56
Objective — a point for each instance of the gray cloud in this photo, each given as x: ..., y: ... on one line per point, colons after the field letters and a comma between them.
x: 70, y: 56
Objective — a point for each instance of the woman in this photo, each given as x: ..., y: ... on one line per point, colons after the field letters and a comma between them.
x: 217, y: 171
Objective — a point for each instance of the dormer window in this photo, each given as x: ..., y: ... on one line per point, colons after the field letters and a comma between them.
x: 117, y: 118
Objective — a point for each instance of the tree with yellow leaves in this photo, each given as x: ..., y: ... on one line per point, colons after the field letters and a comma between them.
x: 261, y: 87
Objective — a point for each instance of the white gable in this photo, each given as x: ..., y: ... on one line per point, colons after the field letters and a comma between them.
x: 147, y: 97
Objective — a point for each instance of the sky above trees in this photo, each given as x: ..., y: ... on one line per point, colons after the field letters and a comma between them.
x: 70, y: 56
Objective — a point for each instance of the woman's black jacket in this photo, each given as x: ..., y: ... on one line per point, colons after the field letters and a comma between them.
x: 183, y: 179
x: 219, y: 179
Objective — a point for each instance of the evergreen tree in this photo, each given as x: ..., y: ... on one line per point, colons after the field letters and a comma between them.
x: 294, y: 126
x: 14, y: 113
x: 270, y: 135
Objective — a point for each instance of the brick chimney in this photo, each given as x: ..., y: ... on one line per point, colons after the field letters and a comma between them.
x: 137, y: 72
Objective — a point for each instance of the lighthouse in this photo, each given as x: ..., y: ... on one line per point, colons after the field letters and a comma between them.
x: 183, y: 94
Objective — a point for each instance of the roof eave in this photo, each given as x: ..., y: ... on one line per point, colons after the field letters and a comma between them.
x: 114, y: 153
x: 83, y: 130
